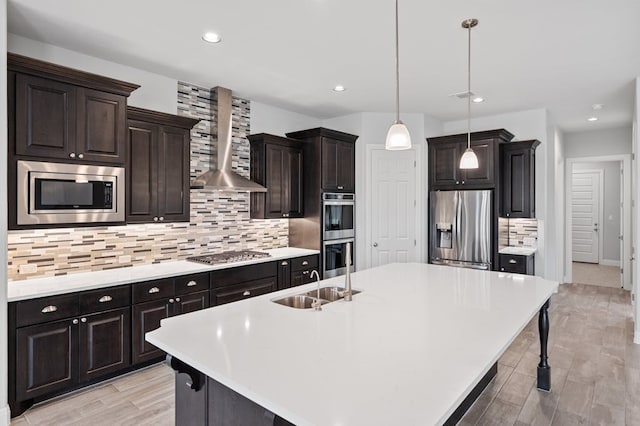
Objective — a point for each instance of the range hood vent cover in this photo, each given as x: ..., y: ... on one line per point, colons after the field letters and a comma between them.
x: 223, y: 177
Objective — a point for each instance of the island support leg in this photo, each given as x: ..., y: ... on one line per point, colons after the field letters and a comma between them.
x: 544, y: 371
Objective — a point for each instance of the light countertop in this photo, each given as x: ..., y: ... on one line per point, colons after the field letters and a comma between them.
x: 523, y: 251
x: 407, y: 350
x: 49, y: 286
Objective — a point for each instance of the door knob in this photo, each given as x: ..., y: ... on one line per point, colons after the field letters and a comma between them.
x: 375, y: 244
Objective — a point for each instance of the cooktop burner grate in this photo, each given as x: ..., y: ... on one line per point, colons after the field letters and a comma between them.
x: 228, y: 257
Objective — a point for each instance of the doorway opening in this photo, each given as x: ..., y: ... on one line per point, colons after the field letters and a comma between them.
x: 598, y: 233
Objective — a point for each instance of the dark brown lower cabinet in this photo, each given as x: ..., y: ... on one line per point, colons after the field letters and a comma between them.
x: 191, y: 302
x: 105, y: 343
x: 243, y: 290
x: 517, y: 263
x: 46, y: 358
x: 147, y: 317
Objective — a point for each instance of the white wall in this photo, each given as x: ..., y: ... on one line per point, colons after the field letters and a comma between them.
x: 611, y: 202
x: 277, y: 121
x: 157, y: 92
x: 560, y: 204
x: 4, y: 408
x: 635, y: 212
x: 597, y: 142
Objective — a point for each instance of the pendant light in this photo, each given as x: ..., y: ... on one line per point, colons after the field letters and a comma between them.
x: 469, y: 159
x: 398, y: 136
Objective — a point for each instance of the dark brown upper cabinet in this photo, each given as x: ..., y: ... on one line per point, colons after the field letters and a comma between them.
x: 518, y: 183
x: 329, y: 160
x: 158, y: 178
x: 58, y: 113
x: 276, y: 163
x: 444, y: 160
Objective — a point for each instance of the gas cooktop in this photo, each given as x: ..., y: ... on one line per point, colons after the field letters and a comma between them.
x: 228, y: 257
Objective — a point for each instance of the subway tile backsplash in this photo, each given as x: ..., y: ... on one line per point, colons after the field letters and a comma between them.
x: 219, y: 219
x: 517, y: 232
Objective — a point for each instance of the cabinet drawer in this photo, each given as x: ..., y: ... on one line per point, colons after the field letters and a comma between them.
x: 192, y: 283
x: 46, y: 309
x: 304, y: 263
x: 241, y: 291
x: 153, y: 290
x: 105, y: 299
x: 230, y: 276
x: 513, y: 263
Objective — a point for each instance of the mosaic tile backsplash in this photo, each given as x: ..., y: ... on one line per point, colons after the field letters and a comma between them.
x: 517, y: 232
x: 219, y: 219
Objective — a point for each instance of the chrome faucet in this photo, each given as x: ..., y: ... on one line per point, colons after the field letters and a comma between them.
x: 316, y: 304
x: 347, y: 278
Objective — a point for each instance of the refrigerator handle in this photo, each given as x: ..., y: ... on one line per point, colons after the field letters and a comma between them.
x: 458, y: 203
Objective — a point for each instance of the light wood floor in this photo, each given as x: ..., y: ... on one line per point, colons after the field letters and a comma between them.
x: 595, y: 373
x: 596, y: 274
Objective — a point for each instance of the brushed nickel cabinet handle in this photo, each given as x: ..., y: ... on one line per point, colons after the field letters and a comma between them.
x: 340, y: 187
x: 246, y: 293
x: 161, y: 218
x: 49, y: 309
x: 285, y: 263
x: 191, y: 283
x: 72, y: 155
x: 75, y: 321
x: 171, y: 300
x: 80, y: 155
x: 512, y: 261
x: 83, y: 319
x: 154, y: 290
x: 305, y: 263
x: 177, y: 299
x: 305, y: 272
x: 106, y: 298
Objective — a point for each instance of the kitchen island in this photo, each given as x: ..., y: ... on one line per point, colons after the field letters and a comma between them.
x: 409, y: 349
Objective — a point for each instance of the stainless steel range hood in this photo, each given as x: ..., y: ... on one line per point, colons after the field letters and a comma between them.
x: 223, y: 177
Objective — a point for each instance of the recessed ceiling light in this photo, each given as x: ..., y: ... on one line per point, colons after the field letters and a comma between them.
x: 592, y: 119
x: 211, y: 37
x: 339, y: 88
x: 478, y: 99
x: 597, y: 107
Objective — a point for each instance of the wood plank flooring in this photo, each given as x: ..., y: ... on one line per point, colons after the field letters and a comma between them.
x: 595, y: 374
x: 596, y: 274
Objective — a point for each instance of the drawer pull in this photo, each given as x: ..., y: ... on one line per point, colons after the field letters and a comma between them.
x: 246, y: 293
x: 49, y: 309
x: 83, y: 319
x: 171, y: 300
x: 154, y: 290
x: 177, y: 299
x: 105, y: 299
x: 512, y: 261
x: 305, y: 263
x: 191, y: 283
x: 75, y: 321
x: 285, y: 263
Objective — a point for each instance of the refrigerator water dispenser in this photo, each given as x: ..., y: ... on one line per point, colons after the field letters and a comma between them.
x: 444, y: 235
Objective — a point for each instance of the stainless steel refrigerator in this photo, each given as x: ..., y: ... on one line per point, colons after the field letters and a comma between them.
x: 460, y: 228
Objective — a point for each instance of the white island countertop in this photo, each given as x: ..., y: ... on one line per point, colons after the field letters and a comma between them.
x: 405, y: 351
x: 50, y: 286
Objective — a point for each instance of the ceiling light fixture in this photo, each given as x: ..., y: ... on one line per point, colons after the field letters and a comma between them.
x: 478, y: 99
x: 469, y: 159
x: 597, y: 107
x: 592, y: 119
x: 339, y: 88
x: 398, y: 136
x: 211, y: 37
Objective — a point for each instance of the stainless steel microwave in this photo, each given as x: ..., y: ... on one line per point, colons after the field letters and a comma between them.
x: 57, y: 193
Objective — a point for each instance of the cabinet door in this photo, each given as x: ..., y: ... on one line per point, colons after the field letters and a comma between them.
x: 173, y: 174
x: 518, y: 186
x: 300, y: 278
x: 105, y: 343
x: 483, y: 176
x: 101, y: 131
x: 284, y: 274
x: 329, y: 164
x: 45, y: 117
x: 346, y: 167
x: 293, y: 183
x: 142, y: 180
x: 275, y: 168
x: 444, y: 161
x: 146, y: 317
x: 46, y: 358
x: 191, y: 302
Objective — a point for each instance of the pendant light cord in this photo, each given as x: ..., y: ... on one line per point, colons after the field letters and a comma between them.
x: 397, y: 70
x: 469, y: 92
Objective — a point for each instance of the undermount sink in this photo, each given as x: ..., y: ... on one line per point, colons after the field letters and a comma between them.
x: 299, y: 301
x: 329, y: 293
x: 305, y: 300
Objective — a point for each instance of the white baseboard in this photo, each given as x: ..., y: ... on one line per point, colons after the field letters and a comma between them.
x: 636, y: 337
x: 5, y: 416
x: 609, y: 262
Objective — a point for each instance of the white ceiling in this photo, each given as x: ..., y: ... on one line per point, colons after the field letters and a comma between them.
x: 563, y: 55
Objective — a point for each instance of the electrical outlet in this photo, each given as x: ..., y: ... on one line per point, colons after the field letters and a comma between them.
x: 124, y: 258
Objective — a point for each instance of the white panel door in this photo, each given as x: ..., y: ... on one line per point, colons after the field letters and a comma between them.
x: 585, y: 215
x: 393, y: 207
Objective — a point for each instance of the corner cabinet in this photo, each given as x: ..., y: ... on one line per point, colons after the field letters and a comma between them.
x: 61, y: 113
x: 329, y: 160
x: 158, y: 177
x: 518, y: 183
x: 444, y: 160
x: 277, y: 164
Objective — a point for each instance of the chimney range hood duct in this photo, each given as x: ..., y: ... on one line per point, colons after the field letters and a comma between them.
x: 223, y: 177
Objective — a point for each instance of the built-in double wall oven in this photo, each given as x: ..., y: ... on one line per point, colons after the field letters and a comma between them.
x: 338, y: 230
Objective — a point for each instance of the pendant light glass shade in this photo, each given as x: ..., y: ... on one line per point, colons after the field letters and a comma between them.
x: 398, y: 136
x: 469, y: 160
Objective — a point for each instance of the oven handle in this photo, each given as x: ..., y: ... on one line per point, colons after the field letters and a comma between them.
x: 340, y: 241
x: 339, y: 203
